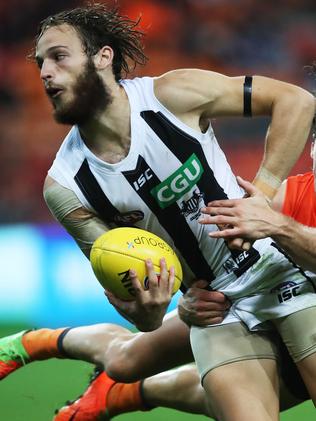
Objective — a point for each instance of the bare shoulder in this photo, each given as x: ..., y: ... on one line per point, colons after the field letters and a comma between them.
x: 187, y: 78
x: 278, y: 200
x: 185, y: 89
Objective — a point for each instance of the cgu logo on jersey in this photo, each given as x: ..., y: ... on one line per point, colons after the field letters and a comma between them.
x: 286, y: 291
x: 178, y: 183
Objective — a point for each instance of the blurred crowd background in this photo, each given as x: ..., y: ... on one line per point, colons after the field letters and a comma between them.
x: 276, y: 38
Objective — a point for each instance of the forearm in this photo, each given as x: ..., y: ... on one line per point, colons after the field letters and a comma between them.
x: 298, y: 240
x: 291, y: 120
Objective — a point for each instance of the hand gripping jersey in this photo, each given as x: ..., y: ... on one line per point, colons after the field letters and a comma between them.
x: 300, y: 199
x: 170, y: 172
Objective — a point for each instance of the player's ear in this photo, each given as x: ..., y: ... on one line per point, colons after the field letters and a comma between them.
x: 103, y: 58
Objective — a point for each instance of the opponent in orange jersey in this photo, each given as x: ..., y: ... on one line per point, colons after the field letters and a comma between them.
x: 255, y: 217
x: 300, y: 199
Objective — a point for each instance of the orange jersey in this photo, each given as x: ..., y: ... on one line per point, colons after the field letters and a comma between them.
x: 300, y: 199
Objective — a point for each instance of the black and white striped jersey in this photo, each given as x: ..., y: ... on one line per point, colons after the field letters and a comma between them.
x: 170, y: 172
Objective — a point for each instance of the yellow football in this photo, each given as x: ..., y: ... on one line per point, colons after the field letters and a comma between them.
x: 118, y: 250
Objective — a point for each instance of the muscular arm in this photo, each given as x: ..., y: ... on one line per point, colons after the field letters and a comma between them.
x: 298, y: 240
x: 196, y: 96
x: 254, y: 218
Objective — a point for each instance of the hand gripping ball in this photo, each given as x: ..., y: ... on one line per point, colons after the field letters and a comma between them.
x: 118, y: 250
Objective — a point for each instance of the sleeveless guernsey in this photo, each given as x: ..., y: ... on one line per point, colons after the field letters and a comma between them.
x: 170, y: 172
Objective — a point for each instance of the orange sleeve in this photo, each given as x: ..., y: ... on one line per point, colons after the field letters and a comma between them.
x: 291, y: 196
x: 299, y: 201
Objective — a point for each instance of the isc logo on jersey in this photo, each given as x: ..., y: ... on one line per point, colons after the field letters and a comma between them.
x: 286, y: 291
x: 178, y: 183
x: 142, y: 179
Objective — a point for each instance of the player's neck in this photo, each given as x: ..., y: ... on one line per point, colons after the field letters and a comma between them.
x: 108, y: 136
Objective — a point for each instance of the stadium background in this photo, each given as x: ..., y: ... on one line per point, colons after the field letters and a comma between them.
x: 44, y: 280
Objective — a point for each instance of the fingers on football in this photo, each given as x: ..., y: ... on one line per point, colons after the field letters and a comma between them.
x: 172, y: 278
x: 153, y: 280
x: 167, y: 277
x: 138, y: 288
x: 115, y: 301
x: 165, y: 280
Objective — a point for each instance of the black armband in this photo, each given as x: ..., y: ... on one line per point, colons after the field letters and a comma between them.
x: 247, y: 96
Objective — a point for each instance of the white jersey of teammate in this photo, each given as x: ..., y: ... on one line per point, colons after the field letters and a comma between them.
x: 170, y: 172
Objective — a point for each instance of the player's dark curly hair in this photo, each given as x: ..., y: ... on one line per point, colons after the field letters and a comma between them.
x: 97, y: 26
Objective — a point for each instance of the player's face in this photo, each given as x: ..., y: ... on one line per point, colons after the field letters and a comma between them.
x: 73, y: 85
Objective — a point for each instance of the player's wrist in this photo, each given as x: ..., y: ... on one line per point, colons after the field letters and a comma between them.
x: 148, y: 326
x: 267, y: 183
x: 280, y: 225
